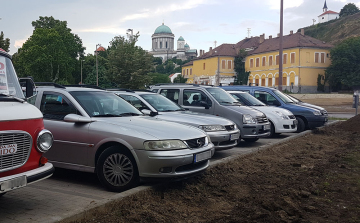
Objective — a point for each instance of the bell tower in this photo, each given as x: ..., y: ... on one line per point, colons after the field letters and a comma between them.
x: 325, y: 7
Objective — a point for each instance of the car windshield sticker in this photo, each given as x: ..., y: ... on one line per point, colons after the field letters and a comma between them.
x: 3, y: 80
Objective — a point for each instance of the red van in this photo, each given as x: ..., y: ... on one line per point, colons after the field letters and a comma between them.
x: 23, y: 139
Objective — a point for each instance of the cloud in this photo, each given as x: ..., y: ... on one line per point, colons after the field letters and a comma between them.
x: 19, y: 43
x: 275, y: 4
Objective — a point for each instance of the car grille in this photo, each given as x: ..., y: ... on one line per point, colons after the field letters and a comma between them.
x: 23, y: 141
x: 292, y: 117
x: 261, y: 119
x: 230, y: 127
x: 196, y: 143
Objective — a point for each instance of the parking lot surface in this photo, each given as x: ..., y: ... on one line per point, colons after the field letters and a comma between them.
x: 68, y: 193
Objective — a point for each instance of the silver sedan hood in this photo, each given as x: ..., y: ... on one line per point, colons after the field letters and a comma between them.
x: 156, y: 128
x: 193, y: 118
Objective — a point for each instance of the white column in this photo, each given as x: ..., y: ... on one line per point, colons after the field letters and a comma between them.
x: 266, y: 82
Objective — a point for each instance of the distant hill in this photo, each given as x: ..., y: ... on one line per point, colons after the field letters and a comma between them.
x: 335, y: 31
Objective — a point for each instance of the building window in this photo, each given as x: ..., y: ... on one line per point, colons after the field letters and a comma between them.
x: 166, y: 45
x: 270, y: 60
x: 223, y: 63
x: 203, y: 66
x: 187, y: 72
x: 251, y: 63
x: 307, y: 57
x: 277, y: 59
x: 257, y: 63
x: 322, y: 57
x: 229, y: 64
x: 285, y: 59
x: 316, y: 57
x: 263, y: 62
x: 190, y: 71
x: 160, y: 45
x: 183, y: 72
x: 292, y: 58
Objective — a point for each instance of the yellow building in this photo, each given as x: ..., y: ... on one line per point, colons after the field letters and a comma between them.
x: 304, y: 58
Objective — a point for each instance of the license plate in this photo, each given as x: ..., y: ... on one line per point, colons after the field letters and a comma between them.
x: 13, y: 184
x: 234, y: 136
x: 266, y: 127
x: 202, y: 156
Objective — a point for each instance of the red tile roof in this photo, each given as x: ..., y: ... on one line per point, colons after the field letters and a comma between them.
x: 188, y: 64
x: 100, y: 49
x: 329, y: 12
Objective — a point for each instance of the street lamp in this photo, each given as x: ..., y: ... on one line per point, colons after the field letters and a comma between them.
x: 281, y: 46
x: 131, y: 33
x: 81, y: 62
x: 97, y: 72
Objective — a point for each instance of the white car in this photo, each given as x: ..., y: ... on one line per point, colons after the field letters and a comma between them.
x: 282, y: 120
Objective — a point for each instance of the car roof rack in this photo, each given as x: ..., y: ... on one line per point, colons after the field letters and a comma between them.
x: 120, y: 89
x: 49, y: 84
x: 85, y: 85
x: 197, y: 85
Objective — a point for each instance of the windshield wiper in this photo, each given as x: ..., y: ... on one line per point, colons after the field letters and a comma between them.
x: 129, y: 114
x: 107, y: 115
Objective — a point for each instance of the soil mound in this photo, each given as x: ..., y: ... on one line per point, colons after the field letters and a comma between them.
x: 351, y: 125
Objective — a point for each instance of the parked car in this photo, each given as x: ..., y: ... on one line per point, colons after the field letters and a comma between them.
x: 223, y: 133
x: 23, y: 139
x: 308, y: 118
x: 99, y: 132
x: 252, y: 123
x: 281, y: 120
x: 299, y: 102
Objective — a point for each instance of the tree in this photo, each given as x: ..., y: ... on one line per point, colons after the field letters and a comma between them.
x: 239, y: 66
x: 51, y: 53
x: 345, y: 64
x: 4, y: 43
x: 349, y: 9
x: 180, y: 79
x: 129, y: 65
x: 157, y: 78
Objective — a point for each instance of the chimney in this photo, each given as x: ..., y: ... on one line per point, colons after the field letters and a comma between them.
x: 210, y: 49
x: 262, y: 38
x: 200, y: 53
x: 278, y: 35
x: 302, y: 32
x: 270, y: 37
x: 291, y: 32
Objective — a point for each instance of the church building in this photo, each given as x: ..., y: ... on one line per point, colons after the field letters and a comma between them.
x: 163, y: 45
x: 327, y: 15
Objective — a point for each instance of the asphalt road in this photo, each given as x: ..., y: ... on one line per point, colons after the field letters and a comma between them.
x: 68, y: 193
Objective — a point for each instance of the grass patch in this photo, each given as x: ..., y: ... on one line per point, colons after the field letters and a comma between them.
x: 339, y: 119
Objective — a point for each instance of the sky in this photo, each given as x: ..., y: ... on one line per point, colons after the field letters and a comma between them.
x: 202, y: 23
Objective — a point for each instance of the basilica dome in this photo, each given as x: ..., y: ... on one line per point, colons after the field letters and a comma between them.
x: 162, y: 29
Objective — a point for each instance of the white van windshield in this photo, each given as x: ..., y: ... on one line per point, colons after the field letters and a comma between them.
x: 9, y: 83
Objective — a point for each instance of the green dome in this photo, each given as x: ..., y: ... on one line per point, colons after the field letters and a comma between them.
x: 186, y: 45
x: 163, y: 29
x: 181, y: 38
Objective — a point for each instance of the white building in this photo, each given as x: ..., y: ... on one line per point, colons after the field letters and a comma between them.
x: 327, y: 15
x: 163, y: 45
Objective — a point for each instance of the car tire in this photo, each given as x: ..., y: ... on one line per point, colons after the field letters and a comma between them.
x: 117, y: 169
x: 251, y: 139
x: 2, y: 194
x: 301, y: 125
x: 272, y: 130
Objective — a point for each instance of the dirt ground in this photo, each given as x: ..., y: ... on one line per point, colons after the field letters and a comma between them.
x: 333, y: 104
x: 314, y: 178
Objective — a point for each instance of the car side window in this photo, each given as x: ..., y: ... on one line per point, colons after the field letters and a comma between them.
x: 56, y: 106
x: 194, y: 98
x: 265, y: 97
x: 172, y: 94
x: 239, y: 99
x: 134, y: 101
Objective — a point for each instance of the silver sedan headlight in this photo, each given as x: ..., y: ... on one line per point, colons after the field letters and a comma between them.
x: 212, y: 128
x: 281, y: 115
x: 44, y: 140
x: 165, y: 145
x: 248, y: 119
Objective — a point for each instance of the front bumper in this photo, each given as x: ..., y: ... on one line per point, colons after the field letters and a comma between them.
x: 16, y: 181
x: 285, y: 126
x: 317, y: 122
x: 224, y: 139
x: 172, y: 164
x: 255, y: 130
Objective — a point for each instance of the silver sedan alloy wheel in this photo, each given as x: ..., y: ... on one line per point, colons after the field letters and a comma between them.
x: 118, y: 169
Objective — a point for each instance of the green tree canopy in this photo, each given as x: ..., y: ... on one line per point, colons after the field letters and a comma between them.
x: 239, y: 66
x: 180, y: 79
x: 349, y: 9
x: 51, y: 53
x: 345, y: 64
x: 157, y: 78
x: 4, y: 43
x: 129, y: 65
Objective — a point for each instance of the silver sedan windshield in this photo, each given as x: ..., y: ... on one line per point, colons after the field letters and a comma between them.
x: 222, y: 96
x: 161, y: 103
x: 104, y: 104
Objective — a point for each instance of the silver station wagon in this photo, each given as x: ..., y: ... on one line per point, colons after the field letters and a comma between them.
x: 223, y: 133
x: 97, y: 131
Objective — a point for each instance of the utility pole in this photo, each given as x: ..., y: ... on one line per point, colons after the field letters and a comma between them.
x: 81, y: 81
x: 97, y: 71
x: 281, y: 46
